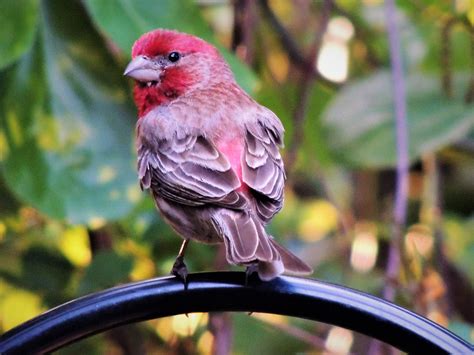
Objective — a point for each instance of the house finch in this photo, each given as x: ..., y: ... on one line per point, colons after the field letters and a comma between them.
x: 208, y: 152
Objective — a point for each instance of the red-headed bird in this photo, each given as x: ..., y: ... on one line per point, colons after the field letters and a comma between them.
x: 208, y: 152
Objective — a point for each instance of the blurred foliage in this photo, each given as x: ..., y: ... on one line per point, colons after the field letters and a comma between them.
x: 72, y: 217
x: 362, y: 134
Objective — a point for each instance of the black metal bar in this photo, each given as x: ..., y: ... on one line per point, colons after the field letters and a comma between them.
x: 226, y: 291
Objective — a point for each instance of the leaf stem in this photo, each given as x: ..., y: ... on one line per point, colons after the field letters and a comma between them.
x: 401, y: 192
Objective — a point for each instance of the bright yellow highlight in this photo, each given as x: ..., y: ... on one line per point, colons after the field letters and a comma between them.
x: 14, y: 128
x: 318, y: 219
x: 204, y: 345
x: 164, y: 330
x: 96, y: 222
x: 18, y: 306
x: 106, y: 174
x: 3, y: 146
x: 419, y: 240
x: 186, y: 325
x: 283, y: 9
x: 463, y: 6
x: 341, y: 28
x: 75, y: 246
x: 339, y: 340
x: 3, y: 230
x: 333, y: 59
x: 364, y: 247
x: 279, y: 65
x: 271, y: 318
x: 144, y: 268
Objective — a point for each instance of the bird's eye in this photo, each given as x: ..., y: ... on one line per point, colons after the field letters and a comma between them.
x: 174, y: 57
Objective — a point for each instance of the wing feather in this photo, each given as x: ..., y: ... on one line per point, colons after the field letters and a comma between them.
x: 262, y: 165
x: 189, y: 170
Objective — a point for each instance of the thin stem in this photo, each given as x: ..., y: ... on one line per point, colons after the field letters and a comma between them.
x: 290, y: 46
x: 401, y: 190
x: 220, y: 325
x: 243, y: 30
x: 401, y: 193
x: 446, y: 77
x: 306, y: 84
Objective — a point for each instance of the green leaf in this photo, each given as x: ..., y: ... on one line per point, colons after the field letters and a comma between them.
x: 360, y: 123
x: 18, y: 19
x: 67, y: 118
x: 46, y: 271
x: 126, y: 20
x: 106, y: 269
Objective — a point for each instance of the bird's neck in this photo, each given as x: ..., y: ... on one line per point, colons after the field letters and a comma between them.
x: 147, y: 98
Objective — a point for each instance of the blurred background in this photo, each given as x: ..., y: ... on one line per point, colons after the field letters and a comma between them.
x: 73, y: 219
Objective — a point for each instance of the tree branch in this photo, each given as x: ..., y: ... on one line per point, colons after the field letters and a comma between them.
x: 306, y: 84
x: 289, y: 45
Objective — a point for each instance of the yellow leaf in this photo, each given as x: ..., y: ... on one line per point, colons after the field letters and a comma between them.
x: 18, y: 306
x: 186, y: 325
x: 75, y: 246
x: 205, y: 343
x: 144, y: 268
x: 318, y: 219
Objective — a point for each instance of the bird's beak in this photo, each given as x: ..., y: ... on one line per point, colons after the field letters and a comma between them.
x: 143, y: 69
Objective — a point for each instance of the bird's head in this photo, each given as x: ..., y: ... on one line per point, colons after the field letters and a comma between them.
x: 167, y: 64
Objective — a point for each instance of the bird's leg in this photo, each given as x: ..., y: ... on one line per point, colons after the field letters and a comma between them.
x: 249, y: 271
x: 179, y: 267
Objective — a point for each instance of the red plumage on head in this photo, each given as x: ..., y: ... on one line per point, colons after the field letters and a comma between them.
x: 175, y: 80
x: 162, y: 42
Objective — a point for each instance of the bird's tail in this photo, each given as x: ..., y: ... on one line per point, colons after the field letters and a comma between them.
x: 247, y: 243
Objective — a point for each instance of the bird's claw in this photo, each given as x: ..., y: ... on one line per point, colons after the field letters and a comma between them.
x: 252, y: 268
x: 180, y: 270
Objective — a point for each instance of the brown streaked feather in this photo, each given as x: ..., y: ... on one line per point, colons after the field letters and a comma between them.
x: 191, y: 171
x: 265, y: 251
x: 240, y: 233
x: 262, y: 167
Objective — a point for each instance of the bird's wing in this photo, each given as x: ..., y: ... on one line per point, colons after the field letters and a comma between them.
x: 189, y: 170
x: 262, y: 165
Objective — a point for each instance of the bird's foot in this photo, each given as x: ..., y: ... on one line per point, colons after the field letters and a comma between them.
x: 180, y: 270
x: 252, y: 268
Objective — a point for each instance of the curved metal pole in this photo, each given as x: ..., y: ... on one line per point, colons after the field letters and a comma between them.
x: 226, y: 291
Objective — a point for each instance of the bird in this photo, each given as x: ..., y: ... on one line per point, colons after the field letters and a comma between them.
x: 208, y: 152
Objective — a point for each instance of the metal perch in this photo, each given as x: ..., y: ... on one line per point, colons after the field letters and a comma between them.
x: 227, y: 291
